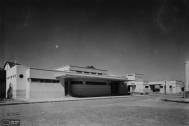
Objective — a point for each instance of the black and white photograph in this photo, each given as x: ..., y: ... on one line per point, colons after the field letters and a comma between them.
x: 94, y: 62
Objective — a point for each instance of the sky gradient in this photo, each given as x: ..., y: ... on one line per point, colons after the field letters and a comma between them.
x: 149, y: 37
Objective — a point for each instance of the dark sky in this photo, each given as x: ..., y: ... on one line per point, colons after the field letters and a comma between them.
x: 123, y: 36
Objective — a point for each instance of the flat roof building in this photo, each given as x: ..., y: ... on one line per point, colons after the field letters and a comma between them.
x: 36, y: 83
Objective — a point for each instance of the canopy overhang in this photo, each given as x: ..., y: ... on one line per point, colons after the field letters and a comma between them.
x: 90, y: 76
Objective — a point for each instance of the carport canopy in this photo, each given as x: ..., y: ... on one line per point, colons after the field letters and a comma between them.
x: 90, y: 76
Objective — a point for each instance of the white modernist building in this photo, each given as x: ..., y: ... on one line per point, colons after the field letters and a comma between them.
x: 166, y: 87
x: 169, y: 87
x: 137, y: 84
x: 35, y: 83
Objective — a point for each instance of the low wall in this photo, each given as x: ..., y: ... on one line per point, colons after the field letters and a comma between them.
x: 46, y: 90
x: 90, y: 90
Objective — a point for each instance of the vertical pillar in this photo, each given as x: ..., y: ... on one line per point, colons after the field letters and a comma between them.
x: 84, y: 82
x: 186, y: 86
x: 62, y: 82
x: 69, y: 84
x: 165, y: 87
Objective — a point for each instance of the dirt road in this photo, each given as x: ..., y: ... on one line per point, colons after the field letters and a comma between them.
x: 132, y: 111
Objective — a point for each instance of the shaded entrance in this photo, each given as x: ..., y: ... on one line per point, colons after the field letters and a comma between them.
x: 66, y: 88
x: 114, y: 88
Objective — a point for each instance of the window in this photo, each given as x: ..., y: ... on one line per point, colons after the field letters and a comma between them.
x: 95, y: 83
x: 21, y: 75
x: 146, y: 86
x: 161, y: 86
x: 76, y: 82
x: 79, y: 71
x: 170, y: 86
x: 43, y: 80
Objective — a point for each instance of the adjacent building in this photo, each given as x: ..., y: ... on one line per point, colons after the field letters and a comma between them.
x: 165, y: 87
x: 169, y: 87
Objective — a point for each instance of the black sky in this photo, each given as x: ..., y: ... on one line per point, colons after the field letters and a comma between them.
x: 122, y: 36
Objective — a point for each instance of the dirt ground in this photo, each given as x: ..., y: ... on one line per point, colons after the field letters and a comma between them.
x: 147, y: 110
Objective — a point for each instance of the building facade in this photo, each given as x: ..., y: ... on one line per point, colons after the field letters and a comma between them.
x: 35, y: 83
x: 169, y: 87
x: 165, y: 87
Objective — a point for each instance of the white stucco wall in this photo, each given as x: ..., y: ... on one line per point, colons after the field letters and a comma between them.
x: 21, y: 82
x: 11, y: 75
x: 41, y: 73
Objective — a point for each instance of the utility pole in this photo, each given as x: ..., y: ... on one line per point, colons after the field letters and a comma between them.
x: 165, y: 86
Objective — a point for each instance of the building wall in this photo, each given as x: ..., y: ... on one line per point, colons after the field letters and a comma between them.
x: 43, y: 74
x: 90, y: 90
x: 38, y: 90
x: 11, y: 75
x: 21, y: 82
x: 176, y: 86
x: 170, y: 88
x: 45, y: 90
x: 140, y: 87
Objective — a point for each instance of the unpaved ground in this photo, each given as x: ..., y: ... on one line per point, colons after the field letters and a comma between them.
x: 132, y: 111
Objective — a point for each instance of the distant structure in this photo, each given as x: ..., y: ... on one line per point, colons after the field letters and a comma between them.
x: 186, y: 88
x: 138, y: 85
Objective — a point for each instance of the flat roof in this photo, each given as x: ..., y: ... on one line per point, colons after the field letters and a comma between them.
x: 80, y: 67
x: 104, y: 77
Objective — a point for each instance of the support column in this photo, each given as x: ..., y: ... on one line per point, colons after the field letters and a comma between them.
x: 62, y: 82
x: 69, y: 85
x: 84, y: 82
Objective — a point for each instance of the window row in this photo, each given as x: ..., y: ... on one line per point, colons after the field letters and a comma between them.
x: 76, y: 82
x: 89, y: 72
x: 10, y: 77
x: 95, y: 83
x: 43, y: 80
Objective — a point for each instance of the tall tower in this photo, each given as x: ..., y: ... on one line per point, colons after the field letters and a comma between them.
x: 186, y: 87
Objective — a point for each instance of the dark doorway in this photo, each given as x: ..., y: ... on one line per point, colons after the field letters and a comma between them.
x: 129, y: 88
x: 2, y: 83
x: 152, y: 87
x: 66, y: 88
x: 114, y: 88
